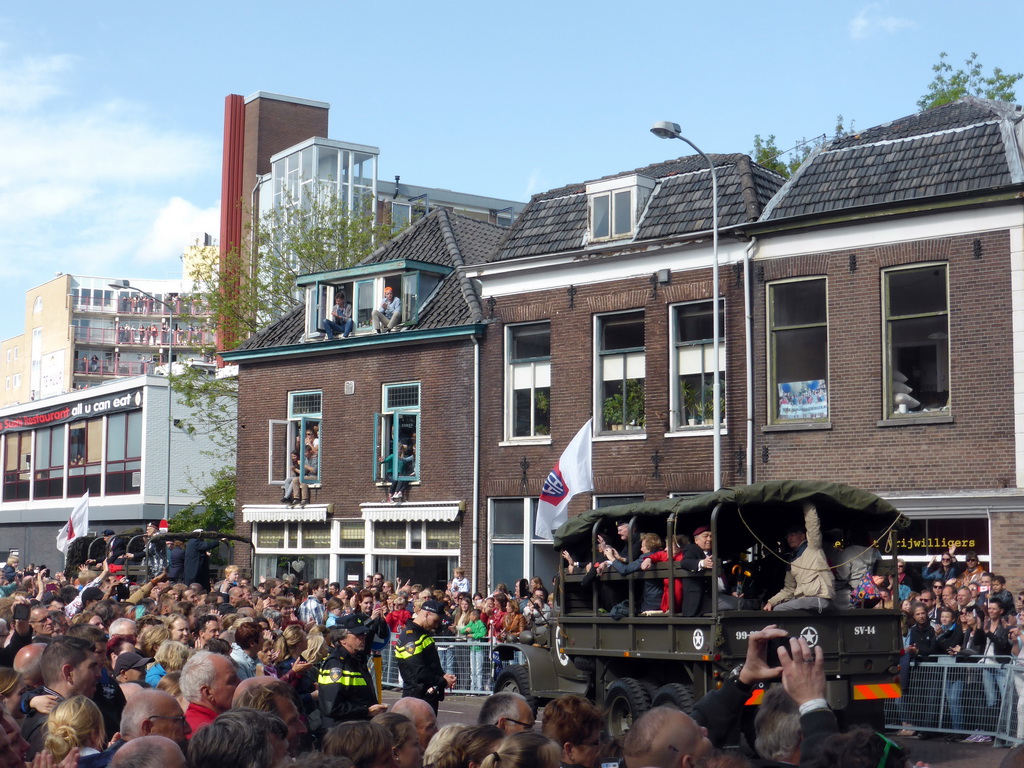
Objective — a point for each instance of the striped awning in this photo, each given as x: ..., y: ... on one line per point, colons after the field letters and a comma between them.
x: 430, y: 512
x: 280, y: 513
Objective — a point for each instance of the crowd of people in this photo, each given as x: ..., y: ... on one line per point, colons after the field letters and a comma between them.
x: 95, y: 671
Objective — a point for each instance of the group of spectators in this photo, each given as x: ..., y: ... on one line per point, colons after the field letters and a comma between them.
x: 959, y: 612
x: 96, y: 672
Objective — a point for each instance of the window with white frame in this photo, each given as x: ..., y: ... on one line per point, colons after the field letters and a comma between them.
x: 298, y: 548
x: 17, y: 380
x: 516, y: 552
x: 621, y: 365
x: 798, y: 350
x: 916, y: 306
x: 295, y: 442
x: 614, y: 205
x: 528, y: 379
x: 366, y: 294
x: 693, y: 364
x: 395, y: 434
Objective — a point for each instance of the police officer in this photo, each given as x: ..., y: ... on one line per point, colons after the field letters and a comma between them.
x: 347, y: 689
x: 423, y: 676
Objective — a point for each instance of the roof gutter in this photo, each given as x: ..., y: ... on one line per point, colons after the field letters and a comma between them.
x: 363, y: 343
x: 1008, y: 194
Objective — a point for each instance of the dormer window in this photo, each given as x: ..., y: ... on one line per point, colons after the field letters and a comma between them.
x: 615, y: 205
x: 413, y: 283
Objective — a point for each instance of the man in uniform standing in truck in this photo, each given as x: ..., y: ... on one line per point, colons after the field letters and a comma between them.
x: 809, y: 583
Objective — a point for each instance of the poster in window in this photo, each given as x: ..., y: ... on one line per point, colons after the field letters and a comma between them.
x: 803, y: 399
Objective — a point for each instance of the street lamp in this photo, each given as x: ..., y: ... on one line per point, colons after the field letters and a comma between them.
x: 665, y: 130
x: 122, y: 285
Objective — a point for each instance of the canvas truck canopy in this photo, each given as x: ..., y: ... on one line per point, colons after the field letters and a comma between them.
x: 747, y: 514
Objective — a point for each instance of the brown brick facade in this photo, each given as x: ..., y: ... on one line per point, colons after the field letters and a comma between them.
x: 974, y: 453
x: 623, y: 466
x: 445, y: 373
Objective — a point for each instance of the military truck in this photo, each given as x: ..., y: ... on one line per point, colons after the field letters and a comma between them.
x: 629, y: 663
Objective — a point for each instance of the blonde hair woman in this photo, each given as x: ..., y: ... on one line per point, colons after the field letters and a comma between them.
x: 170, y: 657
x: 151, y: 638
x: 74, y: 723
x: 12, y: 685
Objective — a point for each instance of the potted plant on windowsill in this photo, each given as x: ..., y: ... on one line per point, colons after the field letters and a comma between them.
x: 688, y: 399
x: 635, y: 404
x: 612, y: 412
x: 707, y: 406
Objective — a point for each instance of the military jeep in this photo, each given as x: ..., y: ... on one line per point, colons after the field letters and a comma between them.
x: 629, y: 663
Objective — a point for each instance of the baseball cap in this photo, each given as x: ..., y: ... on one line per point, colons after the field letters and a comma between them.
x: 91, y: 593
x: 131, y: 660
x: 353, y: 624
x: 433, y: 606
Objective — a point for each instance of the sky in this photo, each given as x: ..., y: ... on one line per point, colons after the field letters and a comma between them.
x: 111, y: 113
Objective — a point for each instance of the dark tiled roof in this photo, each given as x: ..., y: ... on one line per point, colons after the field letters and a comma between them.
x: 288, y: 329
x: 957, y: 148
x: 680, y: 203
x: 439, y: 238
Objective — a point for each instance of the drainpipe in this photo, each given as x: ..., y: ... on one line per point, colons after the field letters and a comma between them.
x: 476, y: 461
x: 749, y: 352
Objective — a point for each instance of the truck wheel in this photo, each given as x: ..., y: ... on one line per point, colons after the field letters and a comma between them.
x: 624, y: 702
x: 515, y: 678
x: 674, y: 695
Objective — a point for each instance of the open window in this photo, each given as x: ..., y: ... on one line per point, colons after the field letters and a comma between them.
x: 305, y: 417
x: 396, y: 427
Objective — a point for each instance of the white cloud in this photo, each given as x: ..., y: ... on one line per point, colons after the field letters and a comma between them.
x: 534, y: 183
x: 94, y: 189
x: 27, y: 83
x: 871, y: 21
x: 177, y: 226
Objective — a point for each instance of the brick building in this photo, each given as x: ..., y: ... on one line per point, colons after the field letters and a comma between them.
x: 401, y: 404
x: 889, y: 281
x: 601, y: 301
x: 878, y: 296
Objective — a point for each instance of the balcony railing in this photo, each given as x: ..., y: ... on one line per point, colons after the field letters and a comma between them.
x: 138, y: 305
x: 151, y: 336
x: 112, y: 368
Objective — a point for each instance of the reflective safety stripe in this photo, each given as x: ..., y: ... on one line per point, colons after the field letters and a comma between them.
x: 877, y: 691
x: 344, y: 677
x: 424, y: 642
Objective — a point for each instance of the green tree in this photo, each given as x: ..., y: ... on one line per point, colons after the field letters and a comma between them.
x: 215, y: 511
x: 243, y: 293
x: 948, y: 85
x: 785, y: 162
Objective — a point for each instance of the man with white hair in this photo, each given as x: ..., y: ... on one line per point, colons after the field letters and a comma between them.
x: 208, y: 682
x: 125, y: 627
x: 150, y: 712
x: 149, y: 752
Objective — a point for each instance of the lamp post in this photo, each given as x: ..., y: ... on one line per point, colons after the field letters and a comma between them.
x: 665, y: 130
x: 122, y: 285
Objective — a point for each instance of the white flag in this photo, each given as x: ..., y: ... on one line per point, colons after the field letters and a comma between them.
x: 572, y: 474
x: 76, y: 526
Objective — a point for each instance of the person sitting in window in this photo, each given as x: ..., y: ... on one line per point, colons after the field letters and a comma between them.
x: 339, y: 321
x: 389, y: 314
x: 295, y: 491
x: 406, y: 463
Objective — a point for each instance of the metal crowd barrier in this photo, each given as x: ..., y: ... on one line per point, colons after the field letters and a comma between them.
x: 963, y: 698
x: 471, y: 661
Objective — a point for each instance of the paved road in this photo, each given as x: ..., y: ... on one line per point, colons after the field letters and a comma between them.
x: 934, y: 752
